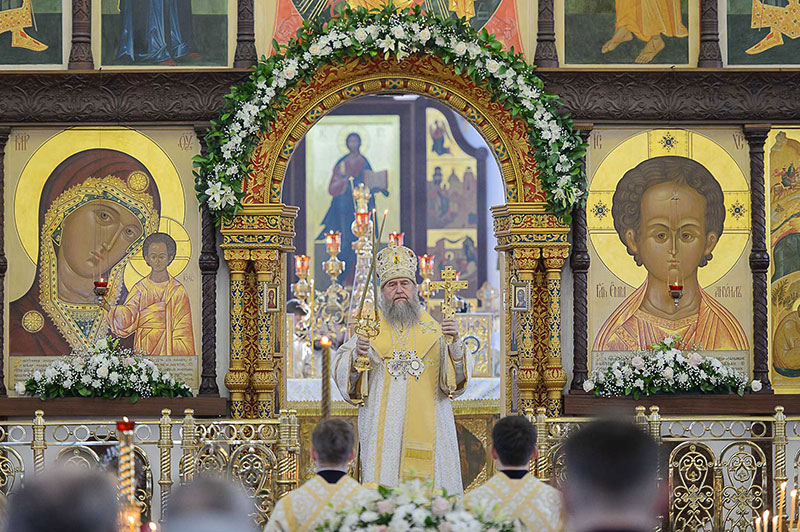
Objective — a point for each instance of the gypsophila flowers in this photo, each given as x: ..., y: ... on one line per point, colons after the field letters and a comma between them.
x: 668, y: 369
x: 103, y: 370
x: 253, y: 106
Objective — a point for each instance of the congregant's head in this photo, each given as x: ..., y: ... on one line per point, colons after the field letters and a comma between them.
x: 397, y: 271
x: 669, y: 213
x: 513, y: 442
x: 65, y: 500
x: 332, y: 444
x: 611, y: 478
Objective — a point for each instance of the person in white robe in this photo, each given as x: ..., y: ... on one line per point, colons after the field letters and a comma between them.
x: 405, y: 420
x: 316, y: 501
x: 513, y: 491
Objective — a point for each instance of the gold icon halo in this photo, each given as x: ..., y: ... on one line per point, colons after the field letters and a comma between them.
x: 66, y: 143
x: 656, y: 143
x: 138, y: 268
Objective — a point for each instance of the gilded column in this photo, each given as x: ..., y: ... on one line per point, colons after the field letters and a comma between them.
x: 526, y: 260
x: 265, y: 378
x: 554, y: 375
x: 236, y: 380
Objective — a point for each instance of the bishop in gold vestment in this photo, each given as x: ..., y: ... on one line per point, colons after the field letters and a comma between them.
x: 405, y: 423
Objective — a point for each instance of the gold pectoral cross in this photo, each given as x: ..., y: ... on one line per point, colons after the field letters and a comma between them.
x: 449, y: 286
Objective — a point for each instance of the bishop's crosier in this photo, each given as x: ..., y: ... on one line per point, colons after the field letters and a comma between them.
x: 405, y: 424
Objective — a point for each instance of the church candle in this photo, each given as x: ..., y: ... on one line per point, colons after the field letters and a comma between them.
x: 758, y: 524
x: 362, y: 222
x: 792, y: 510
x: 782, y: 501
x: 333, y: 240
x: 396, y: 239
x: 301, y: 263
x: 765, y: 520
x: 325, y: 342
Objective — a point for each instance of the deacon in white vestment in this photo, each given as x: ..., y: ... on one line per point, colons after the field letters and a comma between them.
x: 514, y: 491
x: 310, y: 505
x: 405, y: 423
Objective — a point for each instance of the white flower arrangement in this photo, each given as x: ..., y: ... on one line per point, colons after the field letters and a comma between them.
x: 103, y: 370
x: 668, y: 369
x: 413, y: 506
x: 253, y: 105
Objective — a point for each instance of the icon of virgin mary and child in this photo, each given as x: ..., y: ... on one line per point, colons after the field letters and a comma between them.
x: 98, y: 209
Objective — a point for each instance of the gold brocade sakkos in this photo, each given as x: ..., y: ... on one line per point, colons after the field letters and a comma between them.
x: 419, y: 429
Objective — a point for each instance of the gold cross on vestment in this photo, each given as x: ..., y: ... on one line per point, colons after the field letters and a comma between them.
x: 449, y: 286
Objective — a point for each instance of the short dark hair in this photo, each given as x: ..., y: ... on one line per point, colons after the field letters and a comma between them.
x: 514, y: 439
x: 353, y: 134
x: 611, y: 461
x: 163, y: 238
x: 333, y: 439
x: 626, y: 206
x: 67, y: 500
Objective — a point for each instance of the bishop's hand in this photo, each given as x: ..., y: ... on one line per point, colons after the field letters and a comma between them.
x: 362, y: 346
x: 450, y: 328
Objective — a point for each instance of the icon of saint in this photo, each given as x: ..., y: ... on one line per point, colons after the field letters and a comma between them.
x: 157, y: 311
x: 669, y: 213
x: 95, y: 210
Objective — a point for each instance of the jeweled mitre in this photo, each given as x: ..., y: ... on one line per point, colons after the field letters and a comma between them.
x: 395, y: 262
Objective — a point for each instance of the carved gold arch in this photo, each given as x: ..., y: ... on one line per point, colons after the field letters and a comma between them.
x: 257, y: 238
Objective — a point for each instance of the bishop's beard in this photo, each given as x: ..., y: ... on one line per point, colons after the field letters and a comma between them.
x: 401, y: 313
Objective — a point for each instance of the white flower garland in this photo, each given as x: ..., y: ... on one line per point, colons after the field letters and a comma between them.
x: 253, y: 105
x: 668, y: 369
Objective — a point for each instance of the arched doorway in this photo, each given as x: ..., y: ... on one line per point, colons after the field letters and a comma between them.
x: 533, y: 241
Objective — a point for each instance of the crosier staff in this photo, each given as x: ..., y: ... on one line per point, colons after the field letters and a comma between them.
x: 366, y: 327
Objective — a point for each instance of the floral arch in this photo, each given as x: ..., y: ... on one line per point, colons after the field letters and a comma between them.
x: 538, y: 152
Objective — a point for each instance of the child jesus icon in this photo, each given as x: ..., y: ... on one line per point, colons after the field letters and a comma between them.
x: 157, y: 310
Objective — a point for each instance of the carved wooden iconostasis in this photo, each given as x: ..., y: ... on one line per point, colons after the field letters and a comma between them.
x: 727, y: 105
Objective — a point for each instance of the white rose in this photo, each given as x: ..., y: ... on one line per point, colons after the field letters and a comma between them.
x: 424, y: 35
x: 369, y: 516
x: 102, y: 372
x: 588, y: 386
x: 399, y: 32
x: 756, y: 386
x: 637, y: 362
x: 361, y: 35
x: 460, y: 48
x: 37, y: 375
x: 668, y: 374
x: 315, y: 49
x: 492, y: 66
x: 290, y: 71
x: 695, y: 359
x: 19, y: 387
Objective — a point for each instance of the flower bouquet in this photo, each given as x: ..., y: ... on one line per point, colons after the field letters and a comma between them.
x: 412, y: 506
x: 104, y: 370
x: 668, y: 369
